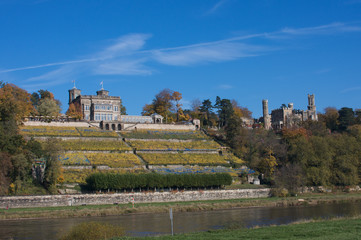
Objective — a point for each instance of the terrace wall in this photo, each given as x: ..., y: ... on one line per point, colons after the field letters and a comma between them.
x: 127, y: 126
x: 158, y: 127
x: 57, y: 124
x: 120, y: 198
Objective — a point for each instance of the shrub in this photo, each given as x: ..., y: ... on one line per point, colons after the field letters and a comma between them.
x: 104, y: 181
x: 93, y: 231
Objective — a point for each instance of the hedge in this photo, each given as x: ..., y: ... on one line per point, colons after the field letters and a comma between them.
x: 111, y: 181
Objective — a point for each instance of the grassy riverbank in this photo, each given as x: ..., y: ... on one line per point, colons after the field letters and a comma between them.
x: 107, y: 210
x: 348, y: 228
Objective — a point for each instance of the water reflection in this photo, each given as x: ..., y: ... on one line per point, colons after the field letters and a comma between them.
x: 155, y: 224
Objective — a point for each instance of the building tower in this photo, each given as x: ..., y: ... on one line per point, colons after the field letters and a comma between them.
x: 266, y: 116
x: 73, y: 94
x: 311, y: 108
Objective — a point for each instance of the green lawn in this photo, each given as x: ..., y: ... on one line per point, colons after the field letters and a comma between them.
x: 327, y: 229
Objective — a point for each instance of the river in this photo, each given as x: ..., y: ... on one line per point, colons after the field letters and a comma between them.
x: 154, y: 224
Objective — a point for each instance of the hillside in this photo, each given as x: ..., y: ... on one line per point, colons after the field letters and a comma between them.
x: 90, y: 150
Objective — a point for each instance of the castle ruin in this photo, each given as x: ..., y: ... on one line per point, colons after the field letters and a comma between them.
x: 287, y: 116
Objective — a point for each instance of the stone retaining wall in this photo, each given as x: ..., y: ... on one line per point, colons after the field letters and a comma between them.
x: 138, y: 126
x: 119, y: 198
x: 57, y: 124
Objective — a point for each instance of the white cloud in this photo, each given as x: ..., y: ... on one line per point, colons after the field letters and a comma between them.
x: 125, y: 67
x: 217, y: 52
x: 127, y: 55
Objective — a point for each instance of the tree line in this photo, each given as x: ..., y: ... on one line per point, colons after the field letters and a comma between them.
x: 17, y: 154
x: 314, y: 153
x: 168, y: 104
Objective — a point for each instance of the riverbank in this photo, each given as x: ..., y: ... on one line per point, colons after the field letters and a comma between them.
x: 344, y: 228
x: 189, y: 206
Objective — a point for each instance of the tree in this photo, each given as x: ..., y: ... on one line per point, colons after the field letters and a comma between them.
x: 48, y: 108
x: 330, y: 118
x: 176, y: 97
x: 161, y: 104
x: 74, y: 111
x: 346, y: 118
x: 14, y: 103
x: 37, y: 99
x: 232, y: 130
x: 5, y: 172
x: 123, y: 110
x: 225, y: 110
x: 290, y: 177
x: 240, y: 111
x: 52, y: 150
x: 206, y: 109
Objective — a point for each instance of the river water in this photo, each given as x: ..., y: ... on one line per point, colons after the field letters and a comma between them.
x: 155, y: 224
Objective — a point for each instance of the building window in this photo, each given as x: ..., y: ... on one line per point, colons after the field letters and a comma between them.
x: 97, y: 117
x: 103, y: 117
x: 109, y: 107
x: 116, y: 108
x: 86, y: 116
x: 116, y: 117
x: 87, y: 107
x: 109, y: 117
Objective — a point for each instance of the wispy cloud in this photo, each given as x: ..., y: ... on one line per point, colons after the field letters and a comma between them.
x: 225, y: 86
x: 328, y: 29
x: 322, y: 71
x: 127, y: 55
x: 353, y: 89
x: 215, y: 7
x: 216, y: 52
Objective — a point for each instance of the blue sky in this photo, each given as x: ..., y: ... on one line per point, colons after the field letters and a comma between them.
x: 242, y: 50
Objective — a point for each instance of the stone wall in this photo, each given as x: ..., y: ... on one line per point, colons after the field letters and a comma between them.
x: 57, y: 124
x: 119, y: 198
x: 159, y: 127
x: 127, y: 126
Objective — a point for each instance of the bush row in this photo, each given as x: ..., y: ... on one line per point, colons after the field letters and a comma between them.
x: 104, y: 181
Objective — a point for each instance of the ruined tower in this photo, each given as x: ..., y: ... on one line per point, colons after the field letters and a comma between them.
x: 266, y: 116
x: 311, y: 108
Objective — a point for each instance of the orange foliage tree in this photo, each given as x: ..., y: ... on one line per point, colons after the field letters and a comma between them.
x: 14, y: 103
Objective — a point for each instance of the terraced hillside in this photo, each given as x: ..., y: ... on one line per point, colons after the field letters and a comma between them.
x: 89, y: 150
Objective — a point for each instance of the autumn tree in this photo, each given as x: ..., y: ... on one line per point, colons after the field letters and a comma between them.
x: 177, y: 97
x: 161, y: 104
x: 240, y: 111
x: 14, y: 103
x: 168, y: 104
x: 74, y: 111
